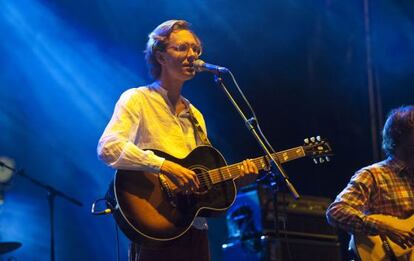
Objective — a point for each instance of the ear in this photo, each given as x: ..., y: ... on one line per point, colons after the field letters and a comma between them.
x: 160, y: 57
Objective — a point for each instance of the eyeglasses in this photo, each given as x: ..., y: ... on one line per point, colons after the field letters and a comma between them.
x: 184, y: 48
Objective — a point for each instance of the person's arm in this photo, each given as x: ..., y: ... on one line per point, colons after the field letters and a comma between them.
x: 347, y: 211
x: 117, y: 149
x: 116, y: 146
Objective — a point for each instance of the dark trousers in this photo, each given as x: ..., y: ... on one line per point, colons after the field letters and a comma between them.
x: 193, y: 245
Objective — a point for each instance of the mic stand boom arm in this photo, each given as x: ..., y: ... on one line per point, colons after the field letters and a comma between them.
x: 251, y: 128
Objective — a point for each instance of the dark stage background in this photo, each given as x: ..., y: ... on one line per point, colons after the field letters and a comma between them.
x: 302, y: 64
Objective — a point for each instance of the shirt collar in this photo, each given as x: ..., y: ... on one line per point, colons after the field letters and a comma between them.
x: 164, y: 93
x: 397, y: 165
x: 157, y: 87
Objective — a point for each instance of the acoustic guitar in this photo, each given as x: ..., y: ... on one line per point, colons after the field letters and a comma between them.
x: 380, y: 248
x: 151, y: 210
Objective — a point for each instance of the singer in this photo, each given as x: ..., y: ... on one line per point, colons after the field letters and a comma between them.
x: 156, y: 116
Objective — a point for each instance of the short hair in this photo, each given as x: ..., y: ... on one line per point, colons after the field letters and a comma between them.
x: 397, y: 128
x: 158, y: 41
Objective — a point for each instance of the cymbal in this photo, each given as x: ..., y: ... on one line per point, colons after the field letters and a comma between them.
x: 6, y: 247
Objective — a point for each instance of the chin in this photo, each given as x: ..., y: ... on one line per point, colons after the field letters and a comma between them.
x: 189, y: 75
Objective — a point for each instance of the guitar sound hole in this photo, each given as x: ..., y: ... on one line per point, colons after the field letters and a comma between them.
x: 203, y: 178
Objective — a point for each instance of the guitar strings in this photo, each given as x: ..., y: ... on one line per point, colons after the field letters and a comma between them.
x: 225, y: 173
x: 212, y: 176
x: 216, y: 175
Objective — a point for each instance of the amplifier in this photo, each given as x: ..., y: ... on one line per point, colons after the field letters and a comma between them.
x: 267, y: 248
x: 252, y: 213
x: 302, y: 226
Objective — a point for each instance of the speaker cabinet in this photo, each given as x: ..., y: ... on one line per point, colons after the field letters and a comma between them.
x: 286, y: 249
x: 303, y: 232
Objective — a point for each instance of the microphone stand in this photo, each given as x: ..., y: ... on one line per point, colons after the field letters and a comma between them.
x: 261, y: 139
x: 51, y: 195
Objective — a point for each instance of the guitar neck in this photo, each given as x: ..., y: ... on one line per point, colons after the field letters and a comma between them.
x: 233, y: 171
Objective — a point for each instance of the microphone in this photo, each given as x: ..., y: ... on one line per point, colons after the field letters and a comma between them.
x: 201, y: 66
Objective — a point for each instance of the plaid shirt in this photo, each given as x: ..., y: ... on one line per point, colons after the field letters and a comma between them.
x: 383, y: 188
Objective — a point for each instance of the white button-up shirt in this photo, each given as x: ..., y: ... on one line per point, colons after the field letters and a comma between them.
x: 144, y: 119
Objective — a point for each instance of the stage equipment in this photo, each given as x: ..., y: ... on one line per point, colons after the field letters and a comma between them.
x: 6, y: 247
x: 201, y: 66
x: 6, y: 169
x: 6, y: 174
x: 299, y: 232
x: 252, y: 124
x: 268, y: 248
x: 275, y: 173
x: 51, y: 195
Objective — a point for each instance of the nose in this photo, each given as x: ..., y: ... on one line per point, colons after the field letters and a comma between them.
x: 192, y: 55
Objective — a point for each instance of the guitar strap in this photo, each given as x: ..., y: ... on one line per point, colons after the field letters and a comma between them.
x: 197, y: 128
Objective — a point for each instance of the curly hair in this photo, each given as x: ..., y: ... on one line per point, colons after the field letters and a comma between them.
x: 397, y: 128
x: 158, y: 41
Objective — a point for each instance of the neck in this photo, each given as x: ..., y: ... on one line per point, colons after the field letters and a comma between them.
x: 174, y: 89
x: 406, y: 159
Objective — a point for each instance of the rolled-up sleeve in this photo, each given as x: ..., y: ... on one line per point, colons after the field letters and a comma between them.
x: 349, y: 208
x: 116, y: 146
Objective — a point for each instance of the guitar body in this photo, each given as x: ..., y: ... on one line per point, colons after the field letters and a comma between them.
x: 151, y: 209
x: 371, y: 248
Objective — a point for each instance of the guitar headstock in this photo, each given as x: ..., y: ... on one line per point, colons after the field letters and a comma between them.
x: 318, y: 149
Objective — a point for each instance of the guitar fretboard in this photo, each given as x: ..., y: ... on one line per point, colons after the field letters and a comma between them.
x: 233, y: 171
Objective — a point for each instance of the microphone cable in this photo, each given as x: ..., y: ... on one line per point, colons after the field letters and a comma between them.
x: 108, y: 210
x: 254, y: 120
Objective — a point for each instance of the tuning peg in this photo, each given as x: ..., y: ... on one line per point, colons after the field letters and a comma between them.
x: 306, y: 141
x: 315, y: 161
x: 321, y: 160
x: 327, y: 159
x: 318, y: 138
x: 312, y: 139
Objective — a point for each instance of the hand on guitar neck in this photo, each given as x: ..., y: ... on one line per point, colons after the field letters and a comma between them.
x: 248, y: 173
